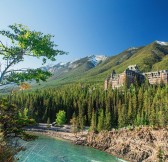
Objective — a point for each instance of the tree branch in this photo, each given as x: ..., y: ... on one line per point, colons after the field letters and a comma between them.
x: 2, y: 44
x: 5, y: 48
x: 4, y: 72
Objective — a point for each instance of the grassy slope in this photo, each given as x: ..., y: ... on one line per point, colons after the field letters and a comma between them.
x: 148, y: 58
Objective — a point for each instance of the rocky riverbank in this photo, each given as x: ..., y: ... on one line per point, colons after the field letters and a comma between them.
x: 135, y: 145
x: 58, y: 132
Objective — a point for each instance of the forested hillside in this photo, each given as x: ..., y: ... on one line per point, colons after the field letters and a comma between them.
x: 92, y: 106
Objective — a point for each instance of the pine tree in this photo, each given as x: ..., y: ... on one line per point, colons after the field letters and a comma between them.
x: 100, y: 125
x: 48, y: 123
x: 74, y: 123
x: 130, y: 112
x: 107, y: 123
x: 121, y: 121
x: 93, y: 122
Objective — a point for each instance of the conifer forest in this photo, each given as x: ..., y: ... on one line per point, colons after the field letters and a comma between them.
x: 92, y: 106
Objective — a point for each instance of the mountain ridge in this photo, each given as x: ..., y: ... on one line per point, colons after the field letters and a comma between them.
x: 151, y: 57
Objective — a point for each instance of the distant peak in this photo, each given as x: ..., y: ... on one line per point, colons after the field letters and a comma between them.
x: 62, y: 63
x: 95, y: 59
x: 162, y: 43
x: 101, y: 57
x: 132, y: 48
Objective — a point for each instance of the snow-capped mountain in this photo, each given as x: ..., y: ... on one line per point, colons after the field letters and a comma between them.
x: 96, y: 59
x: 132, y: 48
x: 162, y: 43
x: 82, y: 64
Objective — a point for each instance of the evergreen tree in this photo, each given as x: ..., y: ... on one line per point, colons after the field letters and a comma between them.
x: 93, y: 122
x: 100, y: 124
x: 48, y: 122
x: 108, y: 120
x: 74, y: 124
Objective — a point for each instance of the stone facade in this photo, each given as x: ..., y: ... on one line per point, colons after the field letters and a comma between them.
x: 132, y: 75
x: 157, y: 77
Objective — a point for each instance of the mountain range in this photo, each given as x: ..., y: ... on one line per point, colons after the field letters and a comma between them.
x: 96, y: 68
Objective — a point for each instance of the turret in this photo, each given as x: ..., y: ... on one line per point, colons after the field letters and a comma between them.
x: 133, y: 68
x: 113, y: 73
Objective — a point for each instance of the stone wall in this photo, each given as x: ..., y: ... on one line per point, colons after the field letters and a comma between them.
x: 157, y: 77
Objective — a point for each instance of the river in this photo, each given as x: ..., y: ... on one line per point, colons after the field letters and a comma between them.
x: 46, y: 149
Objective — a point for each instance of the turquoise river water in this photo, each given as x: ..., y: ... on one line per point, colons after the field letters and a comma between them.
x: 46, y: 149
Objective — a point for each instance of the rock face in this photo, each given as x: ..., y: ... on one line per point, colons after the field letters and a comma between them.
x: 135, y: 145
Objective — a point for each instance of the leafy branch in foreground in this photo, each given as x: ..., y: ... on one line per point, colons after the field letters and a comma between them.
x: 28, y: 75
x: 24, y: 42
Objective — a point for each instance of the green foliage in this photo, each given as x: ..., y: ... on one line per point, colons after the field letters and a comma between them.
x: 160, y: 155
x: 74, y: 124
x: 25, y: 113
x: 100, y: 125
x: 6, y: 153
x: 11, y: 121
x: 108, y: 121
x: 25, y: 42
x: 99, y: 109
x: 22, y: 42
x: 31, y: 42
x: 93, y: 126
x: 29, y: 137
x: 60, y: 117
x: 28, y: 75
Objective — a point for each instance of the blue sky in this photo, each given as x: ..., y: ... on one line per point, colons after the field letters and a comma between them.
x: 86, y: 27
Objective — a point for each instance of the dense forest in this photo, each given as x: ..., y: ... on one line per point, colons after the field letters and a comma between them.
x: 92, y: 106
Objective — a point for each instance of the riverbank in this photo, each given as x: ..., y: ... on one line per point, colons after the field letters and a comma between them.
x: 136, y: 145
x: 58, y: 132
x: 47, y: 149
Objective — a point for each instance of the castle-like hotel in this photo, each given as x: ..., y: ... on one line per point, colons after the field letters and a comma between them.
x: 132, y: 75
